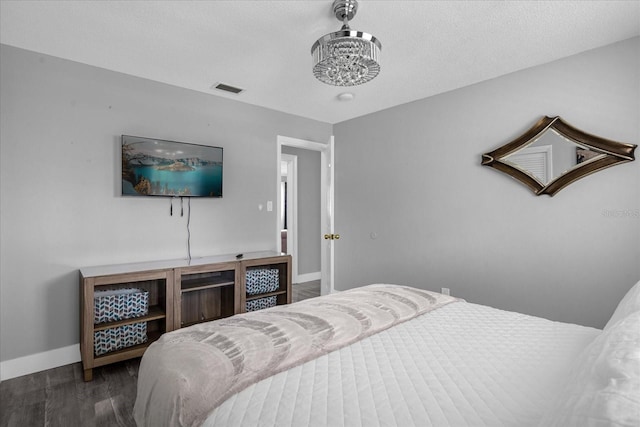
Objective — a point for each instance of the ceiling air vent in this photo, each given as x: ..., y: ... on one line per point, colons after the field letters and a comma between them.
x: 227, y: 88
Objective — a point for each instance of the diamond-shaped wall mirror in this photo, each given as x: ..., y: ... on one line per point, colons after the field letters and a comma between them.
x: 553, y: 154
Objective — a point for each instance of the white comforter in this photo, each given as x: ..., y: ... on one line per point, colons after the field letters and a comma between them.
x: 188, y: 373
x: 460, y: 365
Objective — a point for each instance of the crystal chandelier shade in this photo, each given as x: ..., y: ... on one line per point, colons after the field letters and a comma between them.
x: 346, y: 57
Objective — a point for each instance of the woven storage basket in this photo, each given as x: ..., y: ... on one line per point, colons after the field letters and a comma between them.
x: 261, y: 303
x: 262, y: 280
x: 119, y: 337
x: 120, y: 304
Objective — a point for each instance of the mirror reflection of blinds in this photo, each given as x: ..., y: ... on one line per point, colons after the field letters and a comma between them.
x: 535, y: 160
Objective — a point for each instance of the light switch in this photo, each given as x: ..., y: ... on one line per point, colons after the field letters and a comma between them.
x: 269, y: 205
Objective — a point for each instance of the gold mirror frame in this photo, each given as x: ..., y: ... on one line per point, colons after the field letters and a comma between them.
x: 612, y: 153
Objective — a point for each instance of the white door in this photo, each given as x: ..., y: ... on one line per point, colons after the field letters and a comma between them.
x: 327, y: 224
x: 326, y: 204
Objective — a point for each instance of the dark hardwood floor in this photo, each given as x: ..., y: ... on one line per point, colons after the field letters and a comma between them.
x: 305, y: 290
x: 59, y: 396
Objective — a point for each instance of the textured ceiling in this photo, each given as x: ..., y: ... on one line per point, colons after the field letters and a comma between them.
x: 428, y: 47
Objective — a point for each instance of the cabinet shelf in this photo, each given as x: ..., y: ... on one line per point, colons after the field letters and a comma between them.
x: 281, y: 263
x: 155, y: 313
x: 126, y: 353
x: 190, y: 285
x: 159, y: 319
x: 205, y: 292
x: 265, y: 295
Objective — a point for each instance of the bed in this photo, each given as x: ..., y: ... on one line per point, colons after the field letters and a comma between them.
x: 389, y: 355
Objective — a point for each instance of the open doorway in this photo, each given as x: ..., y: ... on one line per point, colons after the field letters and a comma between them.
x: 304, y: 205
x: 288, y: 209
x: 300, y: 214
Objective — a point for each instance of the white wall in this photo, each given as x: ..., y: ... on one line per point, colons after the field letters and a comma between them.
x: 60, y: 177
x: 412, y: 176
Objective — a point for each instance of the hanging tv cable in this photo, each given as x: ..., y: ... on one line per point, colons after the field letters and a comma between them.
x: 188, y: 230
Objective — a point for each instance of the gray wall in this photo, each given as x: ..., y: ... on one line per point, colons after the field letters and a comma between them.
x: 60, y: 179
x: 309, y: 241
x: 412, y: 176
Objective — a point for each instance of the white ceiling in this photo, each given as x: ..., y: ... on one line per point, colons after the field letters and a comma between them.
x: 428, y: 47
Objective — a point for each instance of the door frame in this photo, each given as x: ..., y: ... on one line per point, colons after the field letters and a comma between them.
x: 292, y: 210
x: 326, y: 203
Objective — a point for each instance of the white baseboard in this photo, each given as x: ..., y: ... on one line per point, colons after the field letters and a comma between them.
x: 308, y: 277
x: 39, y: 362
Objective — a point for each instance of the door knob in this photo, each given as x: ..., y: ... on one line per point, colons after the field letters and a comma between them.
x: 331, y: 236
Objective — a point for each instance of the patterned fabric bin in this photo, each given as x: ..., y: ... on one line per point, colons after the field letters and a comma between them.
x: 119, y: 304
x: 262, y: 280
x: 260, y: 303
x: 119, y: 337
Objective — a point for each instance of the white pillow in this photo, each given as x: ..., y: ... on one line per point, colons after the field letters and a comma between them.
x: 629, y: 303
x: 604, y: 387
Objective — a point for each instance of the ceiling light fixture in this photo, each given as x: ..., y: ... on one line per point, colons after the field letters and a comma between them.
x: 346, y: 57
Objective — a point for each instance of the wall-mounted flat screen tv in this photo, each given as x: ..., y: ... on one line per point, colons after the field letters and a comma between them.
x: 155, y: 167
